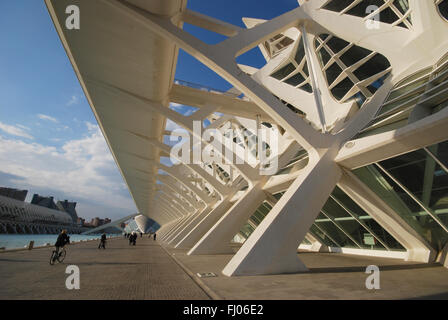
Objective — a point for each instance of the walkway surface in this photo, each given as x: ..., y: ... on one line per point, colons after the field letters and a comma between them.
x: 147, y: 271
x: 331, y: 276
x: 121, y: 271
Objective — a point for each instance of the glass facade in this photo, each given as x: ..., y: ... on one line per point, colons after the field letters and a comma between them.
x: 337, y: 58
x: 392, y: 12
x: 423, y: 93
x: 443, y: 8
x: 341, y: 223
x: 295, y: 72
x: 348, y: 225
x: 415, y: 185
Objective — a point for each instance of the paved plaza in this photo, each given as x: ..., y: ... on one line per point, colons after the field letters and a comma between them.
x: 148, y: 271
x: 121, y: 271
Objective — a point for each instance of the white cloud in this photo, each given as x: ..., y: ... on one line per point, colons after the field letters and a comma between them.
x: 73, y: 100
x: 23, y: 127
x: 81, y: 169
x: 92, y: 127
x: 48, y: 118
x: 15, y: 130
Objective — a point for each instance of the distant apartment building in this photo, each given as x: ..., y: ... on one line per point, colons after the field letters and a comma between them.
x: 47, y: 202
x: 68, y: 207
x: 81, y: 222
x: 13, y: 193
x: 96, y: 222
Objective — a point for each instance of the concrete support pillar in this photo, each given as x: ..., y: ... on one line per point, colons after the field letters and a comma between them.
x: 316, y: 245
x: 217, y: 239
x: 175, y: 227
x: 164, y: 228
x: 204, y: 224
x: 179, y: 228
x: 272, y: 247
x: 190, y: 225
x: 169, y: 228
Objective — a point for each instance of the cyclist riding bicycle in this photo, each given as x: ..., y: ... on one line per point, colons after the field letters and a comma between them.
x: 62, y: 240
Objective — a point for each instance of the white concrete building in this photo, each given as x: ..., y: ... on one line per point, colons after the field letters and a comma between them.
x: 356, y: 93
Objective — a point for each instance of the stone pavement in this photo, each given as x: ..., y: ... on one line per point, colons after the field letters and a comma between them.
x: 147, y: 271
x: 332, y: 276
x: 121, y: 271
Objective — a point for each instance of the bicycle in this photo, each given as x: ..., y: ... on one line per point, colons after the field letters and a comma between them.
x: 58, y: 256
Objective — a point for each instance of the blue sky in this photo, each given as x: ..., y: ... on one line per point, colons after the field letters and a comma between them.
x: 49, y: 139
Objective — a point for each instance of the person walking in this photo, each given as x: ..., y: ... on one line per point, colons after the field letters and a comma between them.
x: 155, y: 236
x: 102, y: 241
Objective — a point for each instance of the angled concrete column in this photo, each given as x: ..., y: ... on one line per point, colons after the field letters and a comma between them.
x: 316, y: 245
x: 272, y: 247
x: 190, y: 225
x: 217, y: 239
x: 174, y: 226
x: 204, y: 224
x: 164, y: 229
x: 417, y: 247
x: 181, y: 227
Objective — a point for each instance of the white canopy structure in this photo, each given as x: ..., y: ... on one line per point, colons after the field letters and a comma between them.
x: 356, y: 98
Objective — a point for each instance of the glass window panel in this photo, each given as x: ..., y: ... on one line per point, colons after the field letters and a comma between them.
x: 335, y: 233
x: 337, y: 44
x: 247, y: 230
x: 360, y: 234
x: 283, y: 72
x: 351, y: 205
x: 300, y: 54
x: 334, y: 210
x: 255, y: 220
x: 324, y: 56
x: 333, y: 72
x: 402, y: 6
x: 278, y: 195
x: 409, y: 169
x: 305, y: 69
x: 443, y: 8
x: 322, y: 237
x: 337, y: 5
x: 441, y: 152
x: 342, y: 88
x: 360, y: 10
x: 307, y: 88
x: 305, y: 241
x: 382, y: 234
x: 388, y: 16
x: 408, y: 88
x: 354, y: 54
x: 422, y: 176
x: 295, y: 79
x: 375, y: 65
x: 403, y: 205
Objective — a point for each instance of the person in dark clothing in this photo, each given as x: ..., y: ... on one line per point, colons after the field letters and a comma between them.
x: 62, y: 240
x: 141, y: 235
x: 102, y: 241
x: 134, y: 239
x: 155, y: 236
